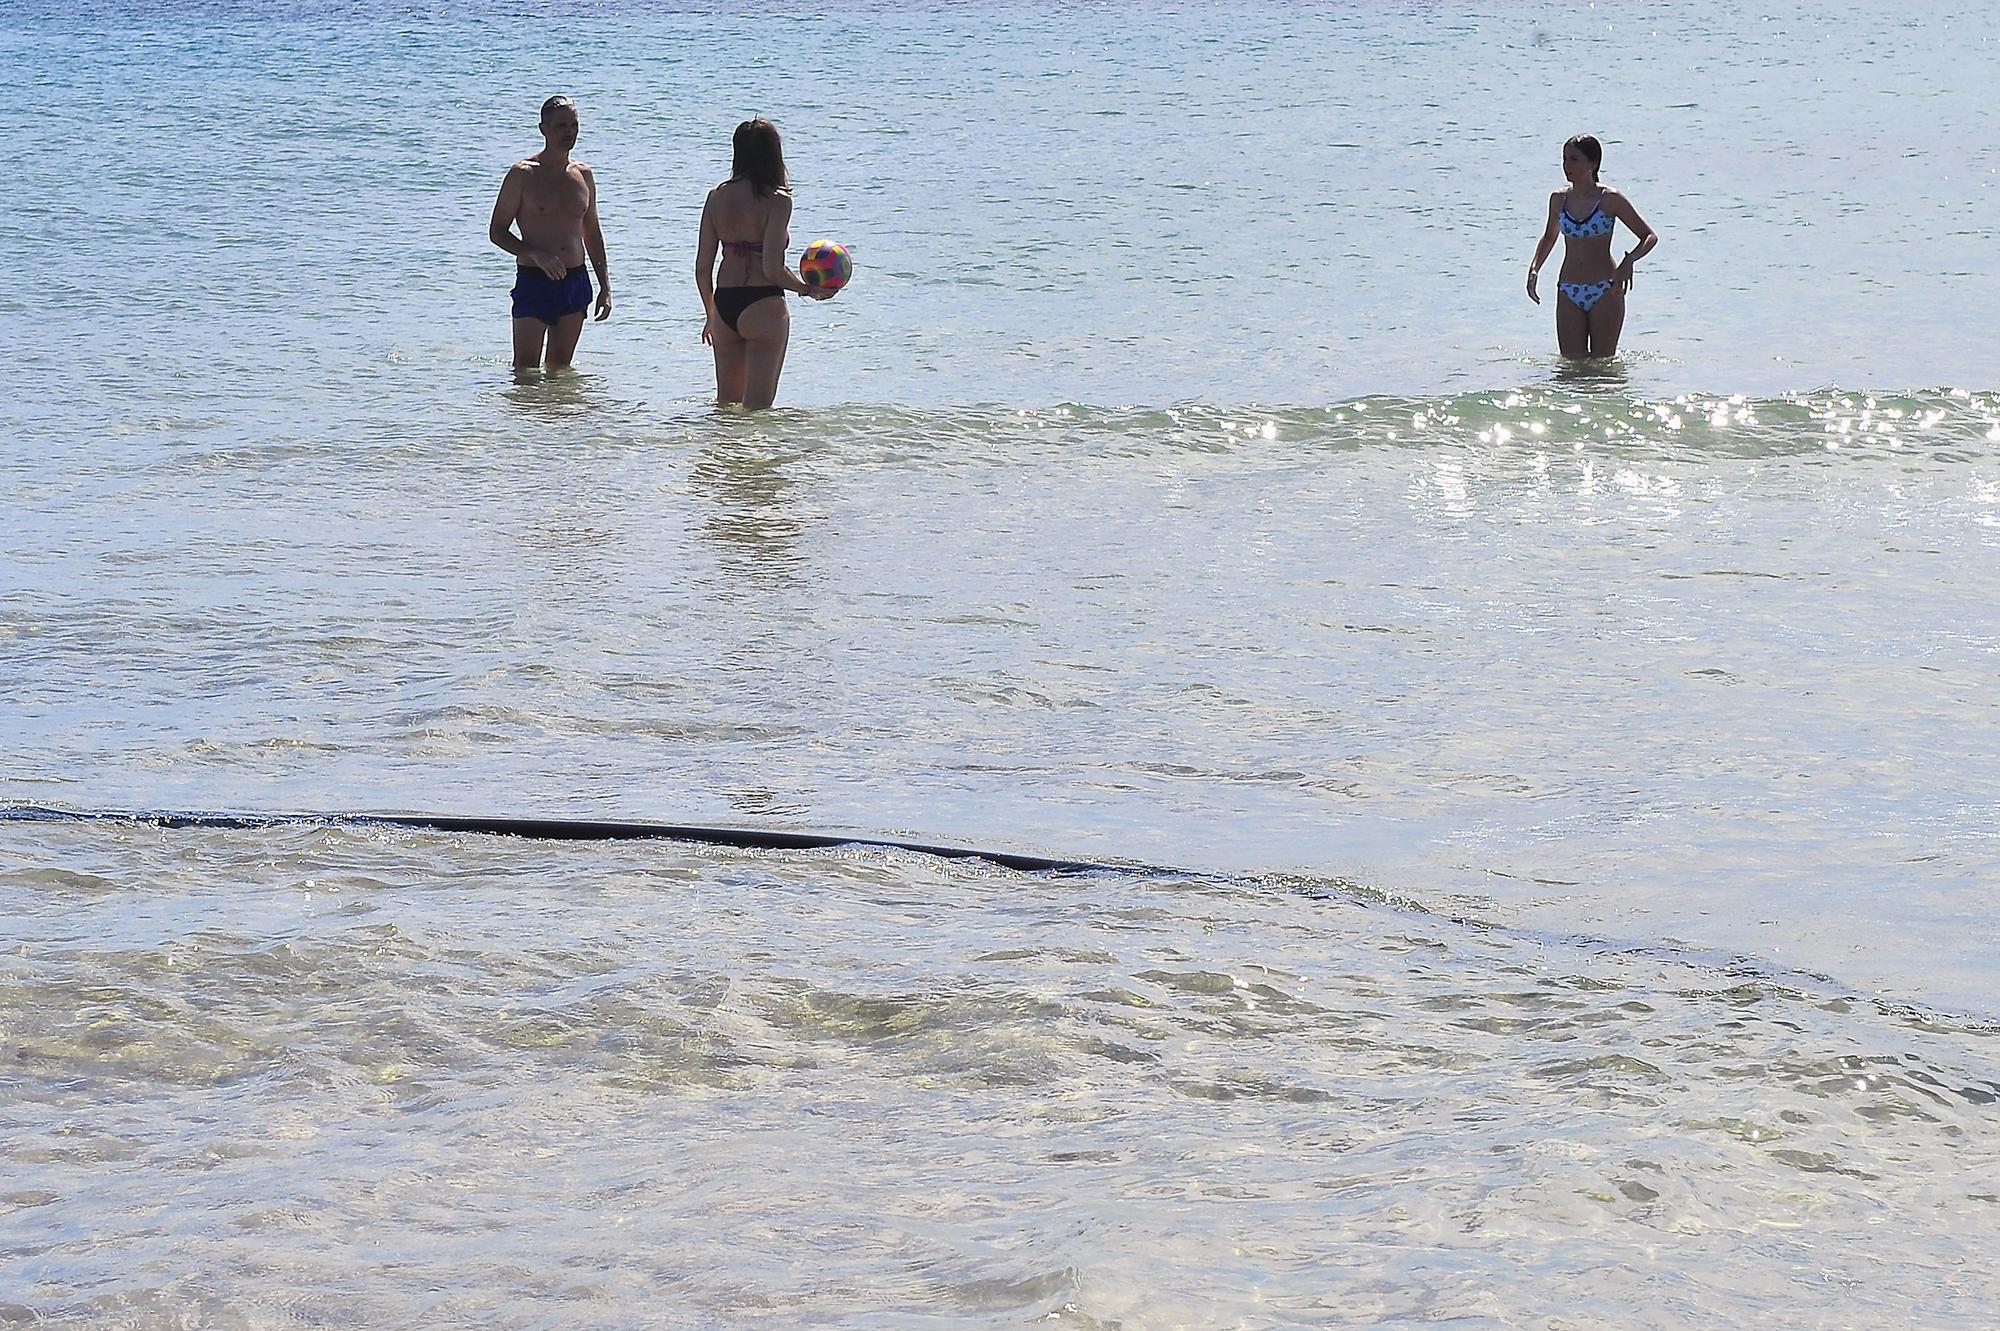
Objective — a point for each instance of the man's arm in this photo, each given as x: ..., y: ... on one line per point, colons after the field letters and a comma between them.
x: 593, y: 245
x: 500, y: 230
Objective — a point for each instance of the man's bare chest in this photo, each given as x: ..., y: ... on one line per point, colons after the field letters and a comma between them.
x: 555, y: 196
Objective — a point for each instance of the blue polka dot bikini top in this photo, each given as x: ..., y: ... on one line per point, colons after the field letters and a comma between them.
x: 1599, y: 223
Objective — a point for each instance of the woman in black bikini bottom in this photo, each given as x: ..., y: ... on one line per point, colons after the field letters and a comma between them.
x: 746, y: 221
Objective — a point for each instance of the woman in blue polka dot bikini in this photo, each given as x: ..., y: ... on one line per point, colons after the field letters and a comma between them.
x: 1590, y: 312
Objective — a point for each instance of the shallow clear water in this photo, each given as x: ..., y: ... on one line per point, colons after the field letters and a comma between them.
x: 1580, y: 784
x: 303, y: 1077
x: 1699, y: 669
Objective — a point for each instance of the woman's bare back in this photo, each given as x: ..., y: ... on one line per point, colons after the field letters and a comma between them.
x: 741, y: 219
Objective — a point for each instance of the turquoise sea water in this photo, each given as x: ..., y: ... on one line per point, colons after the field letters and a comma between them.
x: 1582, y: 783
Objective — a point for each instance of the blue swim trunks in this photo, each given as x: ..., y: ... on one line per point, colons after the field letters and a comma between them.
x: 539, y: 296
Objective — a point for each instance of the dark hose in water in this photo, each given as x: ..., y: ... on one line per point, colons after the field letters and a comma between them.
x: 565, y: 829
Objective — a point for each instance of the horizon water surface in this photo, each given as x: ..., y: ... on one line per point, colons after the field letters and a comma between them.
x: 1579, y: 784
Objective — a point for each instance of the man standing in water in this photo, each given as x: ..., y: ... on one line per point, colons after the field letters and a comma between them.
x: 554, y: 200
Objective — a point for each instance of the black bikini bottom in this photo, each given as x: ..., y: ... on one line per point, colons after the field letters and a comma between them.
x: 730, y: 302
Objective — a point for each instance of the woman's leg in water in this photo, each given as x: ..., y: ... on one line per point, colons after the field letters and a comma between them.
x: 1572, y: 328
x: 729, y: 359
x: 1607, y: 321
x: 766, y: 328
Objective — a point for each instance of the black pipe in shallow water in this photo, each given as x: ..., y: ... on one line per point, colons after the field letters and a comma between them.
x: 1736, y: 966
x: 565, y: 829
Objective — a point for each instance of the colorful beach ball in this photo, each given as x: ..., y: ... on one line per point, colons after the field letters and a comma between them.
x: 826, y: 264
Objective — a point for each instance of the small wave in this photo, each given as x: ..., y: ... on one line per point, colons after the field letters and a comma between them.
x: 1945, y: 424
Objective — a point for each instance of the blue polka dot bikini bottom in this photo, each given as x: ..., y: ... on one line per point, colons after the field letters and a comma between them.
x: 1583, y: 295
